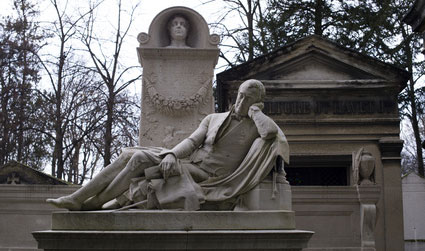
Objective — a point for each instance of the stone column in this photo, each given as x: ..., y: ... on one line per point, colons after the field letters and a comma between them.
x: 392, y: 194
x: 178, y: 57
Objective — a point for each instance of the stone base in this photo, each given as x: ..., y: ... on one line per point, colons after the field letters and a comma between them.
x: 173, y: 230
x: 289, y: 240
x: 173, y: 220
x: 261, y: 197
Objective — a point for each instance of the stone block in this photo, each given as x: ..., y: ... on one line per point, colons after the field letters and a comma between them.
x: 173, y: 230
x: 173, y: 220
x: 288, y: 240
x: 262, y: 197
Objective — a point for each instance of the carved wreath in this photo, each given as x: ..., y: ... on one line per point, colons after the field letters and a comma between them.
x: 173, y: 105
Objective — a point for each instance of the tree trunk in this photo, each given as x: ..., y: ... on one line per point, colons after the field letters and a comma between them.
x: 73, y: 170
x: 22, y: 101
x: 250, y: 17
x: 414, y: 118
x: 108, y: 126
x: 5, y: 124
x: 318, y: 17
x: 58, y: 114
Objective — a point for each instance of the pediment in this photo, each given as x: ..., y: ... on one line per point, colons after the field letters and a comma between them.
x: 316, y: 59
x: 315, y: 66
x: 15, y: 173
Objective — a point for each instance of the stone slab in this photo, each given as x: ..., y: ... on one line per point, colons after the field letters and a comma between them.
x: 173, y: 240
x: 173, y: 220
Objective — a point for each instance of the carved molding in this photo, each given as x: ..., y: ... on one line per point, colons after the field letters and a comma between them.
x: 143, y: 37
x: 390, y: 148
x: 214, y: 39
x: 172, y: 106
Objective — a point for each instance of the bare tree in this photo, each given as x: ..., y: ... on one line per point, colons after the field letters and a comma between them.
x: 240, y: 41
x: 114, y: 74
x: 63, y: 71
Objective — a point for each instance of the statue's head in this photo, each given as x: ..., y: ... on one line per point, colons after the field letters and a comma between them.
x: 250, y: 92
x: 178, y: 28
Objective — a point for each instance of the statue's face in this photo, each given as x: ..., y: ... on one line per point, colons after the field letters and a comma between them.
x: 178, y: 28
x: 246, y: 97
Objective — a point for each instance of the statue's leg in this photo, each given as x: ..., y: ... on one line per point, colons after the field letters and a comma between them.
x: 75, y: 200
x: 134, y: 168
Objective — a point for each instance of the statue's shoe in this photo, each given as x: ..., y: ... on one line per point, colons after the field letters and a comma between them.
x: 65, y: 202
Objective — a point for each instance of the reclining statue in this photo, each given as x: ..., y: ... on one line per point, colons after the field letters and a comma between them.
x: 225, y: 157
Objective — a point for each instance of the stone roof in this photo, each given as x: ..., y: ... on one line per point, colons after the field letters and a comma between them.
x: 16, y: 173
x: 345, y: 59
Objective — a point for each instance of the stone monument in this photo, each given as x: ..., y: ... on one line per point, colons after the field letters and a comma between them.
x: 218, y: 177
x: 178, y: 56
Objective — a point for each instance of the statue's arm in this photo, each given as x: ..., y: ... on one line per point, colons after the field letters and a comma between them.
x: 188, y: 145
x: 265, y: 125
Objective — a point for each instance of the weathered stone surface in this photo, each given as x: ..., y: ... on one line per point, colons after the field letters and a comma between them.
x: 176, y: 93
x: 265, y: 197
x: 23, y: 209
x: 333, y: 213
x: 178, y: 65
x: 173, y: 220
x: 16, y: 173
x: 414, y: 207
x: 288, y: 240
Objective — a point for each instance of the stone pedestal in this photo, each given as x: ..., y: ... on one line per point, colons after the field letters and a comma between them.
x: 173, y: 230
x: 266, y: 197
x: 177, y: 93
x: 177, y: 77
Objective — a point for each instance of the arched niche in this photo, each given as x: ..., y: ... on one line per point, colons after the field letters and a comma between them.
x: 198, y: 36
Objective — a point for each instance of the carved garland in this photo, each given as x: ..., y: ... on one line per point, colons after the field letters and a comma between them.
x: 173, y: 105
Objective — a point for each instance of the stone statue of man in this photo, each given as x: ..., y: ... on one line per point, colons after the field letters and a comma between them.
x: 226, y: 156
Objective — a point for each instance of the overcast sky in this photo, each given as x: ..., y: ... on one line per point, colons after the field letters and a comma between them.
x: 106, y: 15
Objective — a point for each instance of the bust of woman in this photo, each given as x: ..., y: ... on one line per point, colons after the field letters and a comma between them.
x: 178, y: 28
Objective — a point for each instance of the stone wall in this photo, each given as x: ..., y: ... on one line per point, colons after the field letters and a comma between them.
x: 23, y: 210
x: 414, y: 207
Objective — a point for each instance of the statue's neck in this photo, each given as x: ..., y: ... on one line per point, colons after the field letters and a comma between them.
x: 178, y: 43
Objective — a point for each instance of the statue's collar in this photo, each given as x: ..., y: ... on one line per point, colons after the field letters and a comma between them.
x: 234, y: 115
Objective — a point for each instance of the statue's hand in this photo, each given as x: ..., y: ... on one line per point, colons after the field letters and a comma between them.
x: 168, y: 165
x: 254, y: 108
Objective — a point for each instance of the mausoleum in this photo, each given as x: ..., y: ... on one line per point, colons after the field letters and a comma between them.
x: 334, y: 105
x: 23, y: 207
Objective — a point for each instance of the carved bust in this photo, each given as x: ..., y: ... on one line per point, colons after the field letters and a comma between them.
x: 178, y: 29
